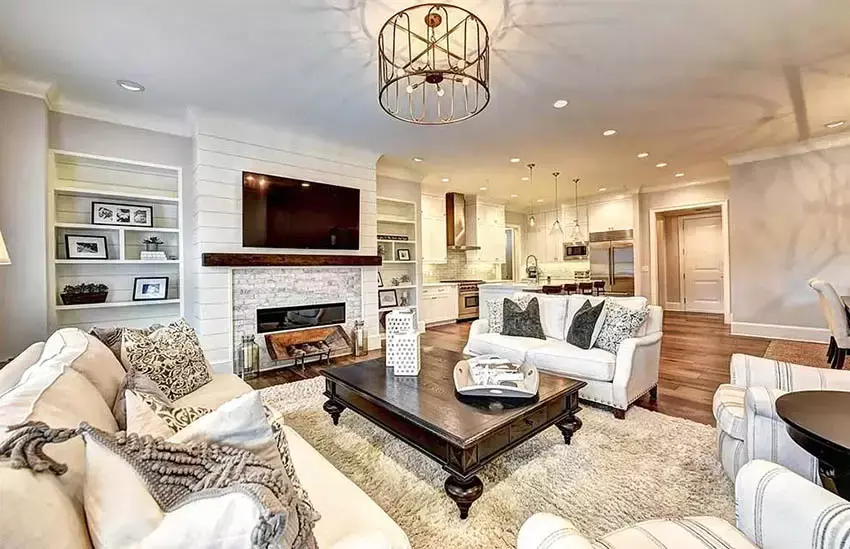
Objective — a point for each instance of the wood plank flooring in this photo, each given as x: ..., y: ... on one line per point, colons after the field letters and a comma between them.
x: 695, y: 353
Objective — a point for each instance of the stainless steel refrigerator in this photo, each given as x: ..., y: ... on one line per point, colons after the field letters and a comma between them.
x: 612, y: 259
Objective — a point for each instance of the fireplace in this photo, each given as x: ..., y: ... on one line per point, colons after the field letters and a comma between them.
x: 281, y: 319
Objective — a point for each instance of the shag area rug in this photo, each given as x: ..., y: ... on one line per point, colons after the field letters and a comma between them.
x: 798, y: 352
x: 615, y: 473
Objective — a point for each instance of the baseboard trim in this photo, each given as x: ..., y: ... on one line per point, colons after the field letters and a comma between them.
x: 778, y: 331
x: 673, y: 306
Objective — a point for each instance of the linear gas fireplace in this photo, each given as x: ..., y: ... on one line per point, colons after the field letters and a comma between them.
x: 279, y: 319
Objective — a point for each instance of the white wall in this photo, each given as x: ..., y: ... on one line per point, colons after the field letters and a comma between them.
x: 789, y: 221
x: 224, y: 147
x: 23, y: 210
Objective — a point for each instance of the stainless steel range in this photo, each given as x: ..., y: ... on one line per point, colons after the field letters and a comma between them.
x: 467, y: 298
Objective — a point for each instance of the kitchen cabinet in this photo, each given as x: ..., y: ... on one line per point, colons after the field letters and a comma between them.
x: 488, y: 231
x: 613, y: 215
x: 433, y: 217
x: 439, y: 304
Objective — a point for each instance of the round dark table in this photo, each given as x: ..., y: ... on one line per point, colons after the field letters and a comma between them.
x: 819, y: 421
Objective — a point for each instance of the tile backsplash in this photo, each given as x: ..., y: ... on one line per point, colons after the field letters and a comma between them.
x: 457, y: 268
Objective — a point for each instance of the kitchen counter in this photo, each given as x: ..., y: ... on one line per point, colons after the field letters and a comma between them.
x: 435, y: 284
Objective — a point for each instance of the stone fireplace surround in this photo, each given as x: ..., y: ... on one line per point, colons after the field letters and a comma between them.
x: 260, y: 288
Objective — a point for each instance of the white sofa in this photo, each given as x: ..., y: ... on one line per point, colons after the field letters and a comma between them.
x: 42, y: 510
x: 612, y: 380
x: 775, y: 509
x: 747, y: 425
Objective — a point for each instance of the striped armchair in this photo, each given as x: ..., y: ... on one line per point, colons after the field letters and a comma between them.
x: 745, y: 409
x: 775, y: 509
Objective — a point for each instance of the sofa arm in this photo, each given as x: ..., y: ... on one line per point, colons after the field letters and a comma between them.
x: 547, y: 531
x: 480, y: 326
x: 777, y: 509
x: 752, y: 371
x: 636, y: 369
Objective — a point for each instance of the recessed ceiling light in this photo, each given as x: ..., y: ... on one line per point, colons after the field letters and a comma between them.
x: 525, y: 178
x: 514, y: 195
x: 680, y: 174
x: 131, y: 86
x: 661, y: 165
x: 560, y: 103
x: 602, y: 189
x: 514, y: 160
x: 643, y: 155
x: 418, y: 159
x: 445, y: 180
x: 305, y: 184
x: 835, y: 124
x: 482, y: 188
x: 609, y: 133
x: 540, y: 200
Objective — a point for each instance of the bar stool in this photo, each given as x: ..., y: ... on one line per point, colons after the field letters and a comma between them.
x: 585, y: 288
x: 571, y: 288
x: 599, y: 287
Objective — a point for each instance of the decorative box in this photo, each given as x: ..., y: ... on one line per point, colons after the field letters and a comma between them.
x: 402, y: 342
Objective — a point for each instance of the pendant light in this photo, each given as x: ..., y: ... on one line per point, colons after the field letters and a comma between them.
x: 556, y: 226
x: 531, y: 221
x: 575, y: 233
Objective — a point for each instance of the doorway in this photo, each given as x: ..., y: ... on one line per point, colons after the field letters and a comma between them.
x: 691, y: 256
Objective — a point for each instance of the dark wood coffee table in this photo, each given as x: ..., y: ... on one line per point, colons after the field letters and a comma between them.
x: 462, y: 436
x: 819, y: 421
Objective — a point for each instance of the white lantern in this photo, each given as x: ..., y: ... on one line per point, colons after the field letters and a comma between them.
x: 402, y: 342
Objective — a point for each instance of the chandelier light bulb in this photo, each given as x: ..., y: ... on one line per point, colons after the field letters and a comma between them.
x: 400, y: 72
x: 440, y: 91
x: 409, y: 89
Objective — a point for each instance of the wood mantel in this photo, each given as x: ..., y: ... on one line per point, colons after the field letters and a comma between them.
x: 287, y: 260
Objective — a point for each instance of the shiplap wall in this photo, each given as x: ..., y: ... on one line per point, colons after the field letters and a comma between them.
x: 224, y: 148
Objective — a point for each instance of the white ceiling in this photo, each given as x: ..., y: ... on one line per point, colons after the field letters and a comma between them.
x: 689, y: 81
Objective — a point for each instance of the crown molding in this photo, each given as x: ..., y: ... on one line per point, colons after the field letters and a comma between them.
x: 811, y: 145
x: 15, y: 83
x: 672, y: 186
x: 388, y: 168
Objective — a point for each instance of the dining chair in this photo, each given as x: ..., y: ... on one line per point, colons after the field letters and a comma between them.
x: 835, y: 311
x: 585, y: 288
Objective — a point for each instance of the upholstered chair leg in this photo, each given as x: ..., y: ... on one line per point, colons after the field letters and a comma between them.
x: 830, y: 351
x: 653, y: 394
x: 619, y: 414
x: 838, y: 359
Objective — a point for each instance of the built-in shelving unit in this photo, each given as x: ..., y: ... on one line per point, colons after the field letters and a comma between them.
x: 76, y: 181
x: 399, y: 219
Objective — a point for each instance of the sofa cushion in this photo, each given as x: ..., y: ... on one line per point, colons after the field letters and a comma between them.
x: 222, y: 388
x: 685, y: 533
x: 560, y: 357
x: 522, y: 322
x: 728, y: 408
x: 495, y: 309
x: 346, y: 510
x: 507, y: 347
x: 620, y: 324
x: 11, y: 373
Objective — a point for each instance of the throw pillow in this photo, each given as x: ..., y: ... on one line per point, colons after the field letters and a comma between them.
x: 587, y: 323
x: 140, y: 384
x: 620, y: 323
x: 522, y: 322
x: 111, y: 337
x: 171, y: 356
x: 495, y: 314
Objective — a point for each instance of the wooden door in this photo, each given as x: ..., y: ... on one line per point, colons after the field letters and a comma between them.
x: 702, y: 263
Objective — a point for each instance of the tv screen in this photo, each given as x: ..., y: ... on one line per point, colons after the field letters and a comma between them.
x: 279, y: 212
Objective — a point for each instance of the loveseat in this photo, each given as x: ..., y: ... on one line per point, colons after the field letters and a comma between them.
x: 613, y: 380
x: 73, y: 377
x: 775, y: 509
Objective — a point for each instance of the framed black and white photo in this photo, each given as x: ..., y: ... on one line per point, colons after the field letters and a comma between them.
x: 403, y: 254
x: 153, y: 288
x: 380, y: 280
x: 80, y: 246
x: 126, y: 215
x: 387, y: 298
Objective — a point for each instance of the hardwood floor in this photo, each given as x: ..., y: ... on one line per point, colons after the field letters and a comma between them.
x: 695, y: 353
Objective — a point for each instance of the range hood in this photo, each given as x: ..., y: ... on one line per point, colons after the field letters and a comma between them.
x: 456, y: 223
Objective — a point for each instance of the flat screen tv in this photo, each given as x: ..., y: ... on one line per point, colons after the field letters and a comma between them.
x: 280, y: 212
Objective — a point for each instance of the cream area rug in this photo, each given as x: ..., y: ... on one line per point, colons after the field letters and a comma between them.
x: 615, y: 473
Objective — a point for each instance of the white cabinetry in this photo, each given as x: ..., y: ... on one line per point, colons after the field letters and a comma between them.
x: 434, y: 248
x: 613, y: 215
x: 486, y: 228
x: 439, y: 304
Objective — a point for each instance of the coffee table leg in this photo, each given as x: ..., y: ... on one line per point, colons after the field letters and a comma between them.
x: 568, y: 427
x: 334, y: 408
x: 834, y: 480
x: 464, y: 492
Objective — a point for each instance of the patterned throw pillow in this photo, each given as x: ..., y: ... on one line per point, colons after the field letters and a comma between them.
x: 522, y: 322
x: 111, y: 337
x: 620, y: 323
x: 176, y: 417
x: 140, y: 384
x: 171, y: 356
x: 495, y: 308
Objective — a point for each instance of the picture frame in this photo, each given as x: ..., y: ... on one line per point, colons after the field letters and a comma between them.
x: 84, y: 246
x: 121, y: 215
x: 150, y: 288
x: 387, y: 298
x: 403, y: 254
x: 380, y: 280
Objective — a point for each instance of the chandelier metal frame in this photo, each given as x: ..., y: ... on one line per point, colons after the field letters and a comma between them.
x: 437, y: 71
